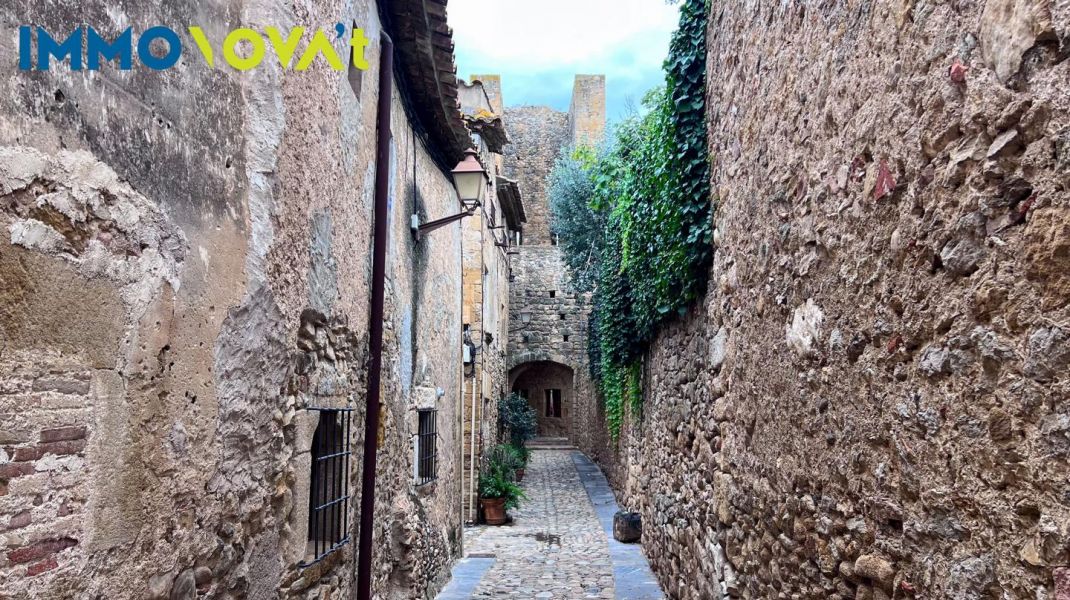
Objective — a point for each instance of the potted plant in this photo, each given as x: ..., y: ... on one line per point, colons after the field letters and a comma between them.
x: 498, y: 492
x: 518, y: 419
x: 523, y: 456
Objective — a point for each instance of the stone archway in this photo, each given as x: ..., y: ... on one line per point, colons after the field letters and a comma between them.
x: 550, y: 389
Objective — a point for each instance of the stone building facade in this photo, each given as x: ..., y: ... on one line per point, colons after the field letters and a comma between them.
x: 185, y: 280
x: 487, y: 238
x: 548, y: 319
x: 872, y: 400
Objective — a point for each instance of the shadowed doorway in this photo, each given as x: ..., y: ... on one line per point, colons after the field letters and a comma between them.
x: 548, y: 386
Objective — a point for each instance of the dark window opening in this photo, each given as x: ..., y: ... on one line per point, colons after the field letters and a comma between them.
x: 553, y: 293
x: 426, y: 446
x: 328, y: 514
x: 553, y: 403
x: 562, y: 315
x: 566, y: 338
x: 553, y: 239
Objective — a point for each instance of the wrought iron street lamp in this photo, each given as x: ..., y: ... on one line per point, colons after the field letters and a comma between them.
x: 470, y: 180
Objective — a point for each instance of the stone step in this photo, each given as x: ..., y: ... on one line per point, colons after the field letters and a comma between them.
x: 548, y: 443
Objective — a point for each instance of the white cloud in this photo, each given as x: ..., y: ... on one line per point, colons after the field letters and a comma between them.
x: 536, y: 45
x: 555, y: 33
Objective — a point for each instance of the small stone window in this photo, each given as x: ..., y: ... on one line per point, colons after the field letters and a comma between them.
x: 566, y: 338
x: 554, y: 239
x: 426, y: 446
x: 553, y: 403
x: 553, y: 293
x: 328, y: 511
x: 562, y: 316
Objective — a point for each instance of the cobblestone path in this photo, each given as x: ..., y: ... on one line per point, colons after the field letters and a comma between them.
x: 555, y: 548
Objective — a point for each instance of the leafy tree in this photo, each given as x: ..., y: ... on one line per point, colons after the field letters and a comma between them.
x: 634, y: 218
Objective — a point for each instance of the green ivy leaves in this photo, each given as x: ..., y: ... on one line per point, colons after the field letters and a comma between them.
x: 634, y: 219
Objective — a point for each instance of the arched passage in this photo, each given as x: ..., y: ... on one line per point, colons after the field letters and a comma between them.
x: 549, y: 388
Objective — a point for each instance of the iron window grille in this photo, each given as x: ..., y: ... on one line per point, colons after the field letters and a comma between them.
x: 328, y: 515
x: 426, y: 446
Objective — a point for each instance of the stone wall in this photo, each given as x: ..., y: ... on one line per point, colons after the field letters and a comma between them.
x: 185, y: 267
x: 533, y: 380
x: 537, y: 134
x: 485, y: 314
x: 587, y: 113
x: 548, y: 319
x: 871, y: 401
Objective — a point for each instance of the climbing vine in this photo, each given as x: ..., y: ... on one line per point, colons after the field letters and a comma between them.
x: 634, y: 219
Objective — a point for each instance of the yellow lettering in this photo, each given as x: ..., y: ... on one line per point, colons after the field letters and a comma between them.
x: 320, y: 45
x: 202, y: 44
x: 230, y: 49
x: 285, y: 48
x: 359, y: 42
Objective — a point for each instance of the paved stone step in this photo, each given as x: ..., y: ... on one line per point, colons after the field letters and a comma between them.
x: 548, y: 443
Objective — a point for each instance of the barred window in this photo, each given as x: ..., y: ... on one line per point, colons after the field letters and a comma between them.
x: 328, y: 514
x: 426, y: 446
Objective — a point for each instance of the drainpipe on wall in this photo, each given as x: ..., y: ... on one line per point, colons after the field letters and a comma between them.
x: 375, y: 327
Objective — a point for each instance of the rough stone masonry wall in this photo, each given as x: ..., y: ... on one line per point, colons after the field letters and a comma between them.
x: 587, y: 112
x: 537, y: 134
x: 872, y: 401
x: 537, y: 330
x: 184, y: 268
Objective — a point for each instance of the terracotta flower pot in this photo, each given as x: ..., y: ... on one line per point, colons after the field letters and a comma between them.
x: 520, y: 474
x: 494, y: 510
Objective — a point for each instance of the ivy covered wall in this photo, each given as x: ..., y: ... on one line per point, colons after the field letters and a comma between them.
x: 633, y: 216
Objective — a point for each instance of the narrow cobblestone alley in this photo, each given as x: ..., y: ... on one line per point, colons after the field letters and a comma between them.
x: 558, y: 545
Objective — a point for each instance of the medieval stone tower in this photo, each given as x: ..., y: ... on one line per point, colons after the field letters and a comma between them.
x: 548, y: 319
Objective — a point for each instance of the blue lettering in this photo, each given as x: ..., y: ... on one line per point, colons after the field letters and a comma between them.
x: 25, y: 56
x: 174, y: 48
x: 47, y: 48
x: 97, y: 47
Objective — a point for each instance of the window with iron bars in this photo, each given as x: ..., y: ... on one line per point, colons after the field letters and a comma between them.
x: 426, y: 467
x: 328, y: 514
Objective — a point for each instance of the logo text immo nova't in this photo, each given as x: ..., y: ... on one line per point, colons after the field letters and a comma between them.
x: 242, y: 48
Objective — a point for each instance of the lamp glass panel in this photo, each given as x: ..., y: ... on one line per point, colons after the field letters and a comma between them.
x: 469, y: 186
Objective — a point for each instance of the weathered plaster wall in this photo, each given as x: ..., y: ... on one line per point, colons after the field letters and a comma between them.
x: 185, y: 268
x: 871, y: 403
x: 486, y: 313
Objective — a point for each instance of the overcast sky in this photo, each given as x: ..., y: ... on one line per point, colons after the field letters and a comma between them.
x: 537, y: 46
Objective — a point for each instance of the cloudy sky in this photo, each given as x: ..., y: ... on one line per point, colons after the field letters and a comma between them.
x: 539, y: 45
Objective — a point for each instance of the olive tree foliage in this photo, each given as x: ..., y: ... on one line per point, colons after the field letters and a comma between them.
x: 578, y: 226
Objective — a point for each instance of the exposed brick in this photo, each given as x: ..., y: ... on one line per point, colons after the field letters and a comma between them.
x: 45, y: 565
x: 59, y: 434
x: 63, y: 386
x: 12, y: 470
x: 27, y: 453
x: 66, y: 447
x: 20, y: 520
x: 35, y: 452
x: 39, y: 550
